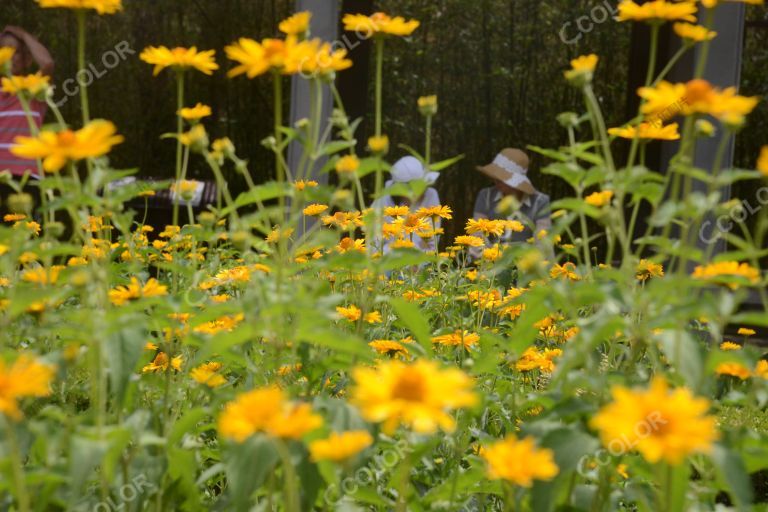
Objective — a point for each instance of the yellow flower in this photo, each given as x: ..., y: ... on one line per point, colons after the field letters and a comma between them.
x: 339, y: 447
x: 694, y: 33
x: 57, y: 148
x: 30, y: 84
x: 582, y: 67
x: 436, y: 212
x: 711, y: 4
x: 296, y: 25
x: 161, y: 364
x: 134, y: 291
x: 733, y: 370
x: 40, y: 275
x: 226, y: 323
x: 696, y: 97
x: 761, y: 370
x: 180, y: 59
x: 6, y: 54
x: 347, y: 164
x: 646, y: 269
x: 493, y: 253
x: 208, y: 374
x: 100, y: 6
x: 566, y: 271
x: 762, y: 161
x: 660, y: 423
x: 599, y: 199
x: 657, y: 11
x: 351, y: 313
x: 532, y: 359
x: 26, y: 377
x: 379, y: 145
x: 519, y: 461
x: 427, y: 105
x: 729, y: 346
x: 465, y: 338
x: 196, y: 138
x: 725, y: 271
x: 348, y: 244
x: 314, y: 210
x: 195, y: 113
x: 419, y: 395
x: 469, y: 241
x: 485, y: 226
x: 317, y: 58
x: 374, y: 317
x: 287, y: 56
x: 743, y: 331
x: 647, y: 131
x: 266, y: 410
x: 379, y: 24
x: 277, y: 233
x: 388, y: 347
x: 301, y: 184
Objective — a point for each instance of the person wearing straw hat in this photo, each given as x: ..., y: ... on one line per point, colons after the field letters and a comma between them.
x: 509, y: 171
x: 406, y: 171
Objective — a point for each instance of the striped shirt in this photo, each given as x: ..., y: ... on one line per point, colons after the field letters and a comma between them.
x: 13, y: 122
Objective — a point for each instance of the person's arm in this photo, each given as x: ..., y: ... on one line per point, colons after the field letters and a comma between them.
x: 480, y: 203
x: 40, y: 53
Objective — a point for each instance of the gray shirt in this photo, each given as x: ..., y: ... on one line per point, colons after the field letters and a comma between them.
x: 534, y: 213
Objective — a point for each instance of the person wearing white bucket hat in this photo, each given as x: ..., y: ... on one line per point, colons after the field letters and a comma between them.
x: 407, y: 170
x: 509, y: 171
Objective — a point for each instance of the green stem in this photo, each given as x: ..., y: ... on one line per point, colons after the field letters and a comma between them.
x: 428, y: 146
x: 277, y: 84
x: 81, y: 65
x: 291, y: 488
x: 17, y: 467
x: 179, y: 146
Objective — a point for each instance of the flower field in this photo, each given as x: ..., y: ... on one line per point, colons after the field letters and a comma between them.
x: 268, y: 354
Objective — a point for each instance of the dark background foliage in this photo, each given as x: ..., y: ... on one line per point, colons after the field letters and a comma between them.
x: 496, y: 66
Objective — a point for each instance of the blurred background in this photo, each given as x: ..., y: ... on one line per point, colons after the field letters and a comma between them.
x: 496, y: 66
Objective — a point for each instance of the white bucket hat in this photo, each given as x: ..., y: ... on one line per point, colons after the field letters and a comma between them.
x: 510, y: 167
x: 409, y: 169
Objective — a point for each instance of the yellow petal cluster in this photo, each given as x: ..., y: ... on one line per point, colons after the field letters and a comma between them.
x: 419, y: 396
x: 659, y: 422
x: 56, y: 149
x: 340, y: 446
x: 180, y: 59
x: 266, y: 410
x: 519, y: 461
x: 379, y: 24
x: 100, y: 6
x: 26, y: 377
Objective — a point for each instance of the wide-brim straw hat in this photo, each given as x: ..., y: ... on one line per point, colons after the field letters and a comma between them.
x: 510, y: 167
x: 409, y: 169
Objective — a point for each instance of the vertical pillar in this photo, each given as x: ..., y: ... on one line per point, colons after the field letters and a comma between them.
x: 723, y: 69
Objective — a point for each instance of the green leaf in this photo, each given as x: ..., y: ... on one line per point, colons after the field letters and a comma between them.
x: 439, y: 166
x: 579, y: 206
x: 732, y: 471
x: 125, y: 348
x: 414, y: 319
x: 684, y: 354
x: 247, y: 467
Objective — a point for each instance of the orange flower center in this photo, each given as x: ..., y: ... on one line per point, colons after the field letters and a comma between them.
x: 67, y: 138
x: 697, y: 91
x: 410, y: 387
